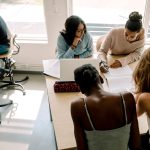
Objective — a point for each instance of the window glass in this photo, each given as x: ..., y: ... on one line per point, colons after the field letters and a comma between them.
x: 101, y: 15
x: 25, y: 18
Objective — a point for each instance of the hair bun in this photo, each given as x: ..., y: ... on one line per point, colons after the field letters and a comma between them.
x: 135, y: 16
x: 87, y: 75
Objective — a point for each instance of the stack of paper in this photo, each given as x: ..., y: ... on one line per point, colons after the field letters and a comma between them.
x: 119, y: 79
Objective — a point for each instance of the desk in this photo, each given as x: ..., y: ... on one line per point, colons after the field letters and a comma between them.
x: 61, y: 116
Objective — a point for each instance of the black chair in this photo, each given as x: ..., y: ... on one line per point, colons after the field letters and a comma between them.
x: 9, y: 65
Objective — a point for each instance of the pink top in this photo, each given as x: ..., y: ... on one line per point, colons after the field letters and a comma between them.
x: 116, y: 42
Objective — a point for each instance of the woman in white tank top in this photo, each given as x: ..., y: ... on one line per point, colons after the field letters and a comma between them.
x: 103, y: 120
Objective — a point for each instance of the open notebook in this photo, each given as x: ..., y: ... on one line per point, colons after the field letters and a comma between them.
x: 67, y: 67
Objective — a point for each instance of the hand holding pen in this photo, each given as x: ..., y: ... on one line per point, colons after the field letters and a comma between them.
x: 103, y: 67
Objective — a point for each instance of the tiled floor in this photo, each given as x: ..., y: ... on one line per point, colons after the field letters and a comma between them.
x: 30, y: 128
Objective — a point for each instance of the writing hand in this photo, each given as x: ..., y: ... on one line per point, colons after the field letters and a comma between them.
x: 103, y: 67
x: 116, y: 64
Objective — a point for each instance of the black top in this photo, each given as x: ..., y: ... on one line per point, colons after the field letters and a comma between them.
x: 4, y: 32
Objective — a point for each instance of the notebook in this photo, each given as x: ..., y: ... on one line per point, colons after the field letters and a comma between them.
x: 67, y: 67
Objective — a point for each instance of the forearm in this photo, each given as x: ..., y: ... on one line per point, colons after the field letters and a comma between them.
x: 86, y: 54
x: 102, y: 55
x: 81, y: 141
x: 65, y: 54
x: 134, y: 140
x: 130, y: 58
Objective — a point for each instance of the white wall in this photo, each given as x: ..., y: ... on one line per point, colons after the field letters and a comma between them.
x: 31, y: 55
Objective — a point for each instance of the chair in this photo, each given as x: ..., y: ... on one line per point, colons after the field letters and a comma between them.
x: 9, y: 65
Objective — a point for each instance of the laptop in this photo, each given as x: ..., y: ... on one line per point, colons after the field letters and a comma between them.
x: 67, y: 67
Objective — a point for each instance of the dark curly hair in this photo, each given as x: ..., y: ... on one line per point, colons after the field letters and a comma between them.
x: 71, y: 26
x: 134, y: 23
x: 87, y: 77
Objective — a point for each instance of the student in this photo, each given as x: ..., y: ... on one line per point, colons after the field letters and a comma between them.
x: 103, y: 120
x: 74, y: 41
x: 141, y: 76
x: 128, y: 41
x: 4, y: 37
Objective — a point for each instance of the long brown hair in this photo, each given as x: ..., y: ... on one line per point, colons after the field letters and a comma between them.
x: 141, y: 74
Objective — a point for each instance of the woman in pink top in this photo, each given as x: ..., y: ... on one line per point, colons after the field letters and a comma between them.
x: 128, y: 41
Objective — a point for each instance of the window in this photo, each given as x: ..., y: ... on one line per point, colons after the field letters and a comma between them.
x: 100, y: 15
x: 25, y: 18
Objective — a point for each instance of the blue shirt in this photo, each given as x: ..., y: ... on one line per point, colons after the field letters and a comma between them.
x: 84, y: 48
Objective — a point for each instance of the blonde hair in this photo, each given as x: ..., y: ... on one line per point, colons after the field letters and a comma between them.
x: 141, y: 74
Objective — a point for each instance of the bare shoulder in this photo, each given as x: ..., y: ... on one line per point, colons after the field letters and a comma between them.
x: 144, y: 97
x: 76, y: 104
x: 129, y: 98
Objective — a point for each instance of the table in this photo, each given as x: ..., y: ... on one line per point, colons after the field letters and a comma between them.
x: 61, y: 116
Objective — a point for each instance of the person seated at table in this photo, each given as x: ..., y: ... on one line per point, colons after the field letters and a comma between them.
x: 74, y: 41
x: 128, y: 41
x: 141, y: 76
x: 4, y: 37
x: 103, y: 120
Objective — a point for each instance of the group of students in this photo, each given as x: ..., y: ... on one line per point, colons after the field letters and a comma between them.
x: 75, y: 41
x: 104, y: 120
x: 108, y: 121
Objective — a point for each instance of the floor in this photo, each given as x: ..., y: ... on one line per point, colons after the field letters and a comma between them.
x: 30, y: 127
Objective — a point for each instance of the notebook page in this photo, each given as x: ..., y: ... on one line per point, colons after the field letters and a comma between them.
x: 119, y: 79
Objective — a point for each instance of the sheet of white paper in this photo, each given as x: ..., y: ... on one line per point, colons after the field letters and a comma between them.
x: 122, y: 71
x: 120, y: 83
x: 52, y: 67
x: 119, y: 79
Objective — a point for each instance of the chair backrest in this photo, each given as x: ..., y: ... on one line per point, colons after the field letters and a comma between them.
x: 14, y: 46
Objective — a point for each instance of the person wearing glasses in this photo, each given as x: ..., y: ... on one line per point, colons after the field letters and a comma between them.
x: 103, y: 120
x: 74, y: 41
x: 128, y: 41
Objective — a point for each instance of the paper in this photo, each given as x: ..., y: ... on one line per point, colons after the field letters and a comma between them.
x: 119, y: 79
x: 52, y: 67
x: 122, y: 71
